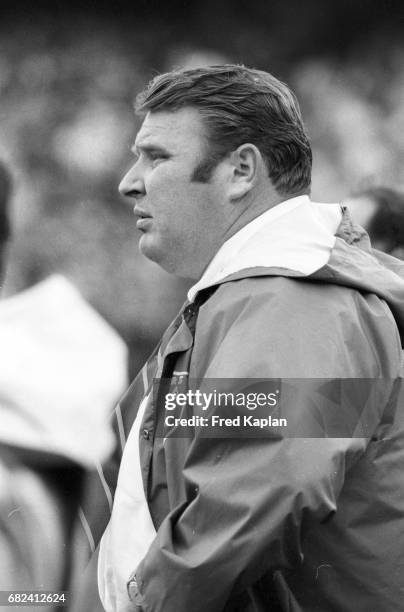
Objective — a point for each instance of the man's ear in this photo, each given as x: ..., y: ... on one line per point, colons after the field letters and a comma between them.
x: 246, y: 165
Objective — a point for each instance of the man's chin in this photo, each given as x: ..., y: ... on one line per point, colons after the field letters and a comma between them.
x: 155, y: 253
x: 149, y: 249
x: 146, y: 247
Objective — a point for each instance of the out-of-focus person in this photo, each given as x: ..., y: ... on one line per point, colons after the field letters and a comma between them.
x: 380, y: 210
x: 5, y: 188
x: 62, y: 369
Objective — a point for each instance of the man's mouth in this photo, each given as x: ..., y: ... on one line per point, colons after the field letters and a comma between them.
x: 138, y: 212
x: 144, y: 219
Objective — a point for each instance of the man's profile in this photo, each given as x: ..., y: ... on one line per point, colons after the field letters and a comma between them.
x: 284, y: 289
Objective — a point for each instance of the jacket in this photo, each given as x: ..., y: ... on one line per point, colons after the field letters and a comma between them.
x: 311, y: 520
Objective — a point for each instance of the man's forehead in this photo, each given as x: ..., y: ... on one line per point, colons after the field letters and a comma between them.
x: 170, y: 127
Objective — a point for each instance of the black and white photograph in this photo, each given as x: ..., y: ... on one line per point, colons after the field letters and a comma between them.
x: 202, y: 306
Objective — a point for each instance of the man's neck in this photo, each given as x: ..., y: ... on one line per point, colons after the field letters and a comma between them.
x: 255, y: 207
x: 241, y: 214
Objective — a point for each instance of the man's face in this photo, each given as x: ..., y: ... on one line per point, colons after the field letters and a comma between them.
x: 182, y: 221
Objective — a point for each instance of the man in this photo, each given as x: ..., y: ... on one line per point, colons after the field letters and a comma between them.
x: 380, y: 210
x: 308, y: 518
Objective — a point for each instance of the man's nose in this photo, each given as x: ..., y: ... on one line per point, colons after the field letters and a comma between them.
x: 132, y: 184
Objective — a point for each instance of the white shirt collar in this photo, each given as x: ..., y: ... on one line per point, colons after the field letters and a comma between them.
x: 293, y: 234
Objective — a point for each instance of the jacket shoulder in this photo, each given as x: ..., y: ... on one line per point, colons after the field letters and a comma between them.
x: 295, y: 327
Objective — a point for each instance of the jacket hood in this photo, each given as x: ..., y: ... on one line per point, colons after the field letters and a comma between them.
x: 314, y: 242
x: 354, y: 263
x: 62, y: 370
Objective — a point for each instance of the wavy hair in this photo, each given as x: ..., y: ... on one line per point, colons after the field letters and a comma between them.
x: 239, y: 105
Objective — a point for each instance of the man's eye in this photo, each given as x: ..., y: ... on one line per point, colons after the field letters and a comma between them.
x: 158, y: 157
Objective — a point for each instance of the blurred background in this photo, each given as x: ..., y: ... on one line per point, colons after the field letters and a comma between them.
x: 68, y: 76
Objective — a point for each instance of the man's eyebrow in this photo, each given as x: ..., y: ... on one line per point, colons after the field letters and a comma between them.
x: 147, y: 148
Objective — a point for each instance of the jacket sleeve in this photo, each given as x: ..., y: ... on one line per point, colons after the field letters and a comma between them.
x: 249, y: 499
x: 246, y: 503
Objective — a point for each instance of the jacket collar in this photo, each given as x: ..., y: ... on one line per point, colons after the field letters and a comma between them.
x: 296, y: 235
